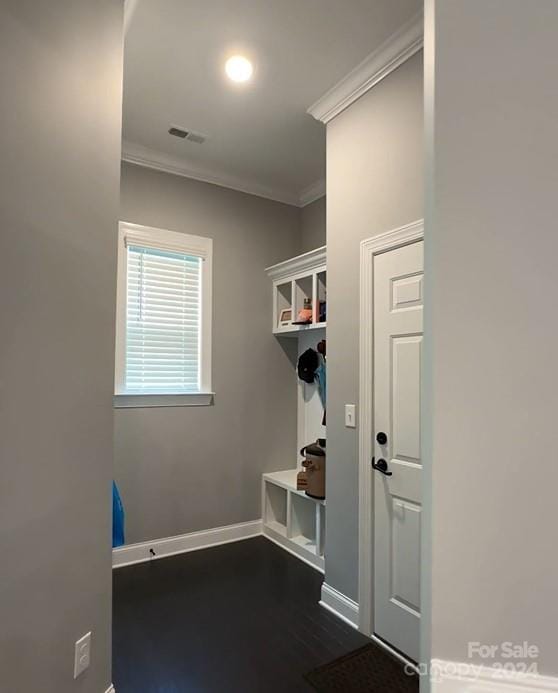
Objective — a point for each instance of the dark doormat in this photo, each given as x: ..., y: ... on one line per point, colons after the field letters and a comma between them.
x: 369, y: 669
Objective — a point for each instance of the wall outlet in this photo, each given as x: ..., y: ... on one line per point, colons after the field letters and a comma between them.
x: 82, y: 655
x: 350, y: 415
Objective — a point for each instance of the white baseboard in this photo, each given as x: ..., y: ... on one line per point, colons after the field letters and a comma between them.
x: 111, y: 689
x: 463, y: 677
x: 139, y: 553
x: 344, y: 608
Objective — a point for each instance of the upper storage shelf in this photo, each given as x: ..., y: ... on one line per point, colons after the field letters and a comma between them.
x: 300, y: 293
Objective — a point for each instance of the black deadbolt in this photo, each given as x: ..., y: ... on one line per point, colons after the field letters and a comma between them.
x: 381, y: 438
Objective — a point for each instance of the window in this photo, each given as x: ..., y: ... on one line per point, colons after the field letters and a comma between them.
x: 163, y: 327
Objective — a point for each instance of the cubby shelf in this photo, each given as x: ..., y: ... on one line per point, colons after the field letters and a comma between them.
x: 292, y: 519
x: 296, y: 282
x: 295, y: 330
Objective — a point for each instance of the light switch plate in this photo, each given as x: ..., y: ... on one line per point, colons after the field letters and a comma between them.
x: 82, y: 654
x: 350, y: 415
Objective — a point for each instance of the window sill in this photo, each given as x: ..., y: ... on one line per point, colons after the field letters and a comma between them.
x: 134, y: 401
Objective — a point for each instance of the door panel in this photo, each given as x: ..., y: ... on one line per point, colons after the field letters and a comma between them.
x: 405, y: 387
x: 398, y: 300
x: 405, y: 553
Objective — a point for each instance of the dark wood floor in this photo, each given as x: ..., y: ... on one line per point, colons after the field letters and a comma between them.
x: 242, y: 617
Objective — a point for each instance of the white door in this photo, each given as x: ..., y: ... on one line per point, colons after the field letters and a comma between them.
x: 398, y: 301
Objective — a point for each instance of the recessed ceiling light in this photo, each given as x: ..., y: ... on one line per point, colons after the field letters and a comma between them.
x: 239, y: 68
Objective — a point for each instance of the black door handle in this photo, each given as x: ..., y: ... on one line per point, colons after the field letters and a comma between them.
x: 381, y: 466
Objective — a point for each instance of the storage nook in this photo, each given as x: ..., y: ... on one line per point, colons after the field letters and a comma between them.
x: 292, y: 519
x: 299, y: 282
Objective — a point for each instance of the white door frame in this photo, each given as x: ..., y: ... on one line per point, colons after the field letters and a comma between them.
x: 404, y: 235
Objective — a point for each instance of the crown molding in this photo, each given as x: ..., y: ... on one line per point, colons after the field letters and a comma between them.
x: 398, y: 48
x: 150, y: 158
x: 312, y: 193
x: 307, y: 262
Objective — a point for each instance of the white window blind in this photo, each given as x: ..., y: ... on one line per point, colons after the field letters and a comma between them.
x: 163, y: 321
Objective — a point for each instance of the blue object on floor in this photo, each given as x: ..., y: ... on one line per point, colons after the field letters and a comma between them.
x: 117, y: 518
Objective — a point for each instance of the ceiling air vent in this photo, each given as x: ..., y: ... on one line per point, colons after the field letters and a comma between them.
x: 189, y: 135
x: 177, y: 132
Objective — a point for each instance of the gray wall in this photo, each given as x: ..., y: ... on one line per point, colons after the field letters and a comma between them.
x: 492, y: 249
x: 61, y: 74
x: 374, y: 165
x: 189, y: 468
x: 313, y: 225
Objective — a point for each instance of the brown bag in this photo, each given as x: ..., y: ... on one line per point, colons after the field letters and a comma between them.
x: 314, y: 465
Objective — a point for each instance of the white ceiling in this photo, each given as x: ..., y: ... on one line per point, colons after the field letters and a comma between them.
x: 260, y: 137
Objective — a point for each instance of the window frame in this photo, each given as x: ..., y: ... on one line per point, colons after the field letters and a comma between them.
x: 179, y: 241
